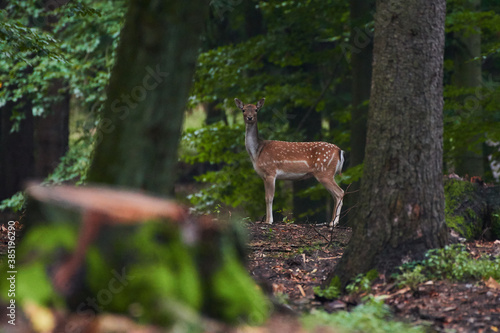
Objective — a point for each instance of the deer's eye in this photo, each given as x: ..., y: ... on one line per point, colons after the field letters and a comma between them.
x: 243, y: 111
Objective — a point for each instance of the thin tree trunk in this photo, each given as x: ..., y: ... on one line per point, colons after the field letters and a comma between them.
x: 468, y: 75
x: 16, y: 150
x: 361, y: 68
x: 52, y: 133
x: 305, y: 209
x: 140, y: 128
x: 401, y: 211
x: 361, y: 63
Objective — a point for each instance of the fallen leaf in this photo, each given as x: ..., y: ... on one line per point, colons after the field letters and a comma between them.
x: 492, y: 283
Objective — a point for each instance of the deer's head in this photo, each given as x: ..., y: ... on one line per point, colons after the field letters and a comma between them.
x: 249, y: 110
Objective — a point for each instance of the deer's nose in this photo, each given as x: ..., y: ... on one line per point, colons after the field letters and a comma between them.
x: 249, y: 118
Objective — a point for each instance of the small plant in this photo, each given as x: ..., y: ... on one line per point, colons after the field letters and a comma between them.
x: 246, y: 219
x: 411, y: 278
x: 451, y: 262
x: 362, y: 282
x: 270, y: 233
x: 217, y: 209
x: 330, y: 292
x: 373, y: 316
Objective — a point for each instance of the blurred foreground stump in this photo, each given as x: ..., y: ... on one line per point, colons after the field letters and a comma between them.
x: 92, y: 250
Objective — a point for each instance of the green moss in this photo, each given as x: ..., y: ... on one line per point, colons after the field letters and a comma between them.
x: 456, y: 192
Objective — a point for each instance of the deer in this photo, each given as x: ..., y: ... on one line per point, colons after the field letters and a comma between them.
x: 291, y: 161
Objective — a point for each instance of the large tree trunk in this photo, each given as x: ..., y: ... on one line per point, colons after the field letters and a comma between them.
x: 401, y: 207
x: 140, y: 128
x: 468, y: 75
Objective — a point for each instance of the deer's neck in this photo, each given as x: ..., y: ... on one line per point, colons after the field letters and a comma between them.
x: 252, y: 141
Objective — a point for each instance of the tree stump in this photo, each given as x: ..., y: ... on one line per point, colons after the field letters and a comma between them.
x: 132, y: 254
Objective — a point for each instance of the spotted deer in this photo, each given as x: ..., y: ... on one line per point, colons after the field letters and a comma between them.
x: 291, y: 161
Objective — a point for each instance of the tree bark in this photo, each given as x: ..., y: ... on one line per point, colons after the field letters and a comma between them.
x: 139, y: 132
x: 401, y: 207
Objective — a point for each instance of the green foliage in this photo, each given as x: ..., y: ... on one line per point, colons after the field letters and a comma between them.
x: 471, y: 114
x: 236, y: 296
x: 451, y: 262
x: 16, y: 203
x: 332, y: 291
x: 85, y: 37
x: 411, y: 277
x: 288, y: 44
x: 373, y: 316
x: 362, y: 282
x: 329, y: 292
x: 76, y: 49
x: 42, y: 248
x: 74, y: 165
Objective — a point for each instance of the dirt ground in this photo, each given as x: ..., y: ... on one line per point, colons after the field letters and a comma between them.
x: 290, y: 259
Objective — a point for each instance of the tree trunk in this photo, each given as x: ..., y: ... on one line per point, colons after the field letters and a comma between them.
x: 468, y: 75
x: 139, y: 132
x: 361, y: 69
x: 16, y: 150
x: 52, y: 133
x: 305, y: 209
x: 361, y: 63
x: 401, y: 207
x: 214, y: 113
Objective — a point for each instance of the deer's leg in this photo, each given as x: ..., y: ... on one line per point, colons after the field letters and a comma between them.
x: 337, y: 193
x: 269, y: 187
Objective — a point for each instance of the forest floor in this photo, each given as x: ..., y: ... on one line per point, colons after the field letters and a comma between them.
x: 289, y: 260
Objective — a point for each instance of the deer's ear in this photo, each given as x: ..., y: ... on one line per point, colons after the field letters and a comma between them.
x: 260, y: 103
x: 239, y: 103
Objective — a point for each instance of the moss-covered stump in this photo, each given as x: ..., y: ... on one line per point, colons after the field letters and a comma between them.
x: 472, y: 209
x: 133, y: 254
